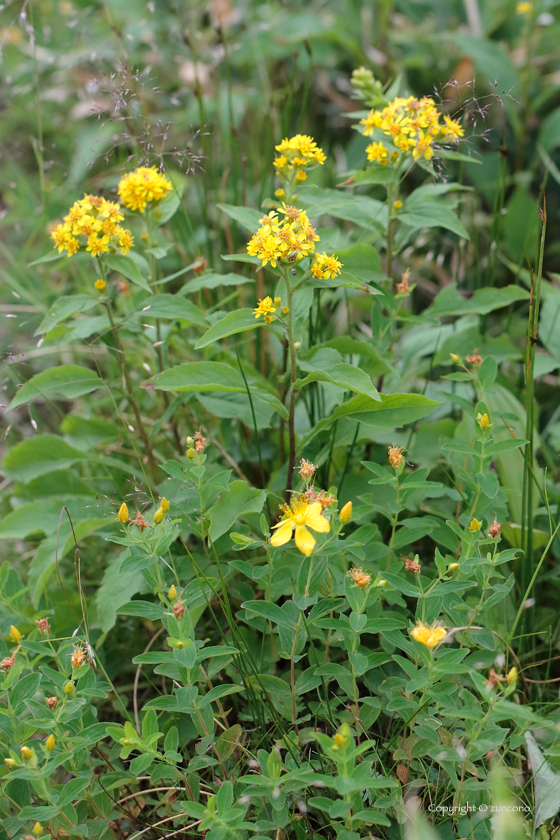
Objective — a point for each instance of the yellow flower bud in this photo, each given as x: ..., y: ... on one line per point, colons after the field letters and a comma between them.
x: 346, y: 513
x: 277, y: 302
x: 397, y: 204
x: 512, y: 676
x: 452, y: 567
x: 172, y: 594
x: 483, y: 421
x: 189, y: 442
x: 69, y: 688
x: 475, y: 525
x: 284, y: 311
x: 15, y: 635
x: 26, y: 753
x: 280, y: 193
x: 180, y: 645
x: 455, y: 358
x: 164, y: 505
x: 339, y: 740
x: 100, y: 285
x: 123, y: 514
x: 50, y: 743
x: 11, y: 762
x: 37, y: 829
x: 158, y: 516
x: 191, y: 453
x: 382, y: 582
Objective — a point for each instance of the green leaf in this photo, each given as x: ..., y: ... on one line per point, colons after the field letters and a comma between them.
x: 546, y: 781
x: 363, y: 211
x: 345, y: 376
x: 198, y: 376
x: 23, y: 690
x: 64, y: 382
x: 210, y: 280
x: 174, y: 308
x: 63, y: 308
x: 431, y: 214
x: 393, y: 411
x: 237, y: 501
x: 128, y: 268
x: 372, y: 175
x: 246, y: 216
x: 39, y: 455
x: 451, y: 302
x: 240, y: 320
x: 117, y: 588
x: 268, y: 610
x: 143, y: 609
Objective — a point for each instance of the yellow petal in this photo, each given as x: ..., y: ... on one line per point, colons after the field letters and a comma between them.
x: 318, y: 523
x: 312, y: 510
x: 283, y: 534
x: 304, y: 540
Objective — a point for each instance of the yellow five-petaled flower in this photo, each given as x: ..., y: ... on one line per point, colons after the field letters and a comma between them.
x: 428, y: 635
x: 299, y: 516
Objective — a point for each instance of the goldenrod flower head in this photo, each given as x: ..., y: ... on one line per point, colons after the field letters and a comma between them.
x: 301, y: 176
x: 15, y: 635
x: 277, y: 302
x: 524, y: 8
x: 378, y: 152
x: 50, y: 743
x: 483, y: 421
x: 512, y: 676
x: 172, y: 594
x: 37, y: 829
x: 429, y: 636
x: 284, y: 311
x: 475, y: 525
x: 100, y: 285
x: 325, y: 266
x: 146, y: 185
x: 452, y: 567
x: 264, y: 307
x: 122, y: 515
x: 455, y: 358
x: 360, y: 578
x: 11, y: 762
x: 164, y: 504
x: 306, y: 468
x: 93, y: 223
x: 69, y: 688
x: 78, y: 656
x: 395, y: 456
x: 158, y: 516
x: 346, y: 513
x: 287, y: 240
x: 298, y: 517
x: 296, y: 154
x: 26, y: 753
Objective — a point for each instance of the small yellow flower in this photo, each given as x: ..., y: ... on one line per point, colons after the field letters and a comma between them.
x: 50, y: 743
x: 123, y: 514
x: 26, y: 753
x: 429, y: 636
x: 342, y: 737
x: 158, y: 516
x: 299, y: 516
x: 37, y: 829
x: 397, y: 204
x: 190, y: 453
x: 142, y: 187
x: 277, y: 302
x: 284, y: 311
x: 475, y: 525
x: 483, y: 421
x: 100, y: 285
x: 69, y: 688
x: 346, y: 513
x: 264, y: 308
x: 524, y: 8
x: 15, y: 635
x: 512, y: 676
x: 301, y: 176
x: 172, y: 594
x: 164, y: 504
x: 360, y: 578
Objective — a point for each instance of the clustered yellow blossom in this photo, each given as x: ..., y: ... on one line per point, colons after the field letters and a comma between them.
x: 296, y: 155
x: 428, y: 635
x: 325, y: 267
x: 142, y: 187
x: 93, y: 223
x: 413, y: 125
x: 299, y: 516
x: 287, y: 239
x: 265, y: 308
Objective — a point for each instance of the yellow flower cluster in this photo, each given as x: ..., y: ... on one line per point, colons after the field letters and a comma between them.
x: 287, y: 239
x: 412, y: 126
x: 325, y: 267
x: 296, y: 155
x: 143, y: 186
x: 93, y: 222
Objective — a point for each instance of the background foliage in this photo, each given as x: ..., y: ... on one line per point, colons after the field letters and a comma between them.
x: 229, y: 726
